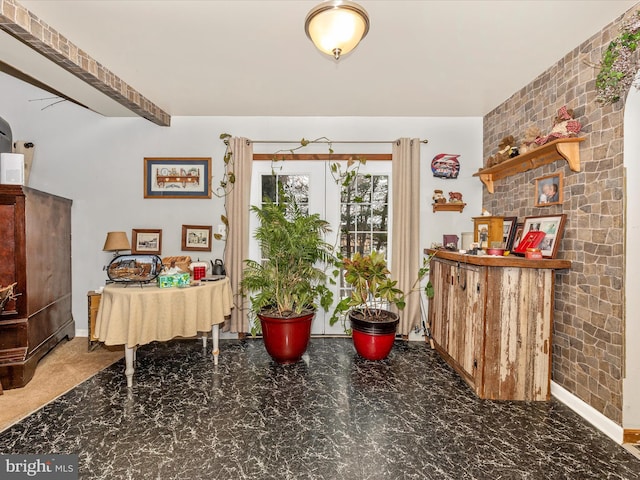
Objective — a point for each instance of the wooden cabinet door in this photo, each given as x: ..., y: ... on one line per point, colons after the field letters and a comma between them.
x: 467, y: 321
x: 456, y: 315
x: 518, y: 346
x: 440, y: 274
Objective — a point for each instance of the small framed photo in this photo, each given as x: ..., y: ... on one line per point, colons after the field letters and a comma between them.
x: 549, y: 190
x: 509, y: 225
x: 196, y: 238
x: 146, y: 241
x: 552, y: 226
x: 517, y: 237
x: 177, y: 177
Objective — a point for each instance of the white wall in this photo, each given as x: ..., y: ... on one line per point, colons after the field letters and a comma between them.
x: 98, y: 163
x: 631, y: 382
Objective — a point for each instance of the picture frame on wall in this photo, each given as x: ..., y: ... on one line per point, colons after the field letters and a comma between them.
x: 509, y: 226
x: 552, y: 226
x: 549, y: 190
x: 196, y: 238
x: 177, y: 177
x: 146, y: 240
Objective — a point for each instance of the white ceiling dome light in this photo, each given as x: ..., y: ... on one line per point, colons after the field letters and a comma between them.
x: 337, y: 26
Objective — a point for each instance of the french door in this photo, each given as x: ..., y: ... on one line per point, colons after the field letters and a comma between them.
x: 360, y: 215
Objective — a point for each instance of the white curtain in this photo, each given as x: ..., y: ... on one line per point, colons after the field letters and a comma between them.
x: 236, y: 249
x: 405, y: 229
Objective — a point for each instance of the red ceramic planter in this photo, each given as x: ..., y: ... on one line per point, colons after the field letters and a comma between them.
x: 373, y: 340
x: 286, y: 339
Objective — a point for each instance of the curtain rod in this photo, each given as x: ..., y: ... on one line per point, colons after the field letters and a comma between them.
x: 297, y: 142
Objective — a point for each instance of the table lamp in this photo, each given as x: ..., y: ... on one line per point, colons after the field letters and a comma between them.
x: 115, y: 242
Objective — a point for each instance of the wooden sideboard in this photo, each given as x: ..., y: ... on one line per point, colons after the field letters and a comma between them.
x: 35, y: 253
x: 491, y: 319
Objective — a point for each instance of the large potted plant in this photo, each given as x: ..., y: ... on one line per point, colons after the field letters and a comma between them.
x: 288, y: 285
x: 373, y: 325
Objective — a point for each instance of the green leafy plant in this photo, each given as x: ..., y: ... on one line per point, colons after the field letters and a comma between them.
x: 618, y: 67
x: 343, y: 176
x: 291, y: 280
x: 373, y: 290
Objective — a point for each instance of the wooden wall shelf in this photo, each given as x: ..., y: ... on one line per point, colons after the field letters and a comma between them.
x: 567, y: 148
x: 448, y: 207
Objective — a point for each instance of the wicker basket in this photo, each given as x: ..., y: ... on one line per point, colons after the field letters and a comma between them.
x: 181, y: 262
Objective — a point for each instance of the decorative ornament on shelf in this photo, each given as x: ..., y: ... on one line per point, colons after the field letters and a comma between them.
x: 531, y: 134
x: 455, y: 197
x: 438, y: 197
x: 618, y: 66
x: 564, y: 126
x: 505, y: 151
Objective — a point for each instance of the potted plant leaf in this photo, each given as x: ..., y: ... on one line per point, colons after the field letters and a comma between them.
x: 373, y: 326
x: 288, y: 285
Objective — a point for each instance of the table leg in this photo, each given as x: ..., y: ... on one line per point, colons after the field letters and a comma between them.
x: 204, y: 339
x: 129, y: 357
x: 215, y: 333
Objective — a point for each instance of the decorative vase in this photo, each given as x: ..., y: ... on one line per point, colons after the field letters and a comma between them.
x: 373, y: 339
x: 286, y: 339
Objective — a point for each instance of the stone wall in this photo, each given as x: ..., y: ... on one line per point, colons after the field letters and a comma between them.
x: 588, y: 342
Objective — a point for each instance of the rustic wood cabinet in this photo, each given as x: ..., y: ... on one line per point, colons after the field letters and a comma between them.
x: 35, y: 252
x: 491, y: 319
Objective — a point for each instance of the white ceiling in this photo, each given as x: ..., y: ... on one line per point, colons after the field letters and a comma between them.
x: 252, y: 57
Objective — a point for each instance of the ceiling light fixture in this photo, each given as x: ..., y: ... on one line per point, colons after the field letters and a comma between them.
x: 337, y: 26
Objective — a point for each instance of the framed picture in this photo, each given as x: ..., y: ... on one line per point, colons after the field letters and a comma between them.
x: 509, y: 225
x: 517, y: 237
x: 196, y: 238
x: 177, y: 177
x: 146, y: 241
x: 552, y: 226
x: 549, y: 190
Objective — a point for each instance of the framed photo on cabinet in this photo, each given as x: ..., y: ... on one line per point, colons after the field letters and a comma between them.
x: 509, y: 226
x: 553, y: 228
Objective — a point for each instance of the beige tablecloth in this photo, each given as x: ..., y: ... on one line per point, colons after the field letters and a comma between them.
x: 134, y: 315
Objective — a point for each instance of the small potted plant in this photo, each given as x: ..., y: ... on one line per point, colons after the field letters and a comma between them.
x: 288, y: 286
x: 373, y: 326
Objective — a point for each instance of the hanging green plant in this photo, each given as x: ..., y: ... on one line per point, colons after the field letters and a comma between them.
x: 343, y: 176
x: 618, y: 66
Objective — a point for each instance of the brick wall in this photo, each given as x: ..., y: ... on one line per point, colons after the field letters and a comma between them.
x: 588, y: 342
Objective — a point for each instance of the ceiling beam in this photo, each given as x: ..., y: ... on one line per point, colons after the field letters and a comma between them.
x: 23, y: 25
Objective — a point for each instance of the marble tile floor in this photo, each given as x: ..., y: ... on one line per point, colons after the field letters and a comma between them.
x: 333, y: 416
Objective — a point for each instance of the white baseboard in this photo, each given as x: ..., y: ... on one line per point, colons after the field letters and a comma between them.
x: 82, y: 332
x: 590, y: 414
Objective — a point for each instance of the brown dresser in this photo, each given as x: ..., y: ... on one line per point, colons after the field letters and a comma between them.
x: 35, y: 253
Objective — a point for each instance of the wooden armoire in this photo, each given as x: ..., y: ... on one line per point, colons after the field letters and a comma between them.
x: 35, y: 253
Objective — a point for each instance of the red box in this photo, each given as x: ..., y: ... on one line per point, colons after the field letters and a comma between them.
x: 530, y: 240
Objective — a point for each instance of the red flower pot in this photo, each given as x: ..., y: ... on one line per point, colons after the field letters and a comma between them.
x: 373, y: 339
x: 286, y: 339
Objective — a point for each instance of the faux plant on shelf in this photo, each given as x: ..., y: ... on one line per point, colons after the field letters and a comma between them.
x: 618, y: 66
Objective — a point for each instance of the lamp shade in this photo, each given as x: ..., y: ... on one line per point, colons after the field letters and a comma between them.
x: 337, y: 26
x: 116, y: 241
